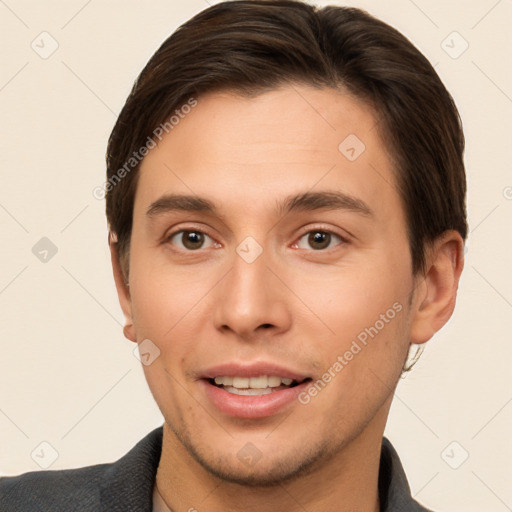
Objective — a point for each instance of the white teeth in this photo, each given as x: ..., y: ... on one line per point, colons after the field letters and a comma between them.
x: 273, y: 382
x: 249, y: 391
x: 258, y: 382
x: 262, y: 382
x: 241, y: 382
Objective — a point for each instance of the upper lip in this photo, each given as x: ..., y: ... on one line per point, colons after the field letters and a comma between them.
x: 254, y: 369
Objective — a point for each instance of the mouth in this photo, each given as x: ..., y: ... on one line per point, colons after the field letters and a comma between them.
x: 254, y: 386
x: 252, y: 391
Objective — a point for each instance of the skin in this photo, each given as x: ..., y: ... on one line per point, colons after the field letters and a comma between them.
x: 298, y: 305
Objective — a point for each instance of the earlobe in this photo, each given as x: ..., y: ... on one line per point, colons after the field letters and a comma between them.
x: 436, y: 297
x: 123, y: 291
x: 129, y: 331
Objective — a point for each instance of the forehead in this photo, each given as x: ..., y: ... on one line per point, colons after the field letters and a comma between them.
x: 252, y: 150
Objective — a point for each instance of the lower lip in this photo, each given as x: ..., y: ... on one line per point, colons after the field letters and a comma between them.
x: 252, y: 407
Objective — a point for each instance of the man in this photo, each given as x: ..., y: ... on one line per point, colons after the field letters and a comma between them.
x: 286, y: 203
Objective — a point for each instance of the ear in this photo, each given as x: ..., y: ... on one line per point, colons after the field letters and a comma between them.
x: 435, y: 295
x: 123, y: 291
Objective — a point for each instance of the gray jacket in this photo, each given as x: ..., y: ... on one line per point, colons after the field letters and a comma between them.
x: 127, y: 485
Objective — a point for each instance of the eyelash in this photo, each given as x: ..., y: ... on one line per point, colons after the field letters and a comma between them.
x: 342, y: 240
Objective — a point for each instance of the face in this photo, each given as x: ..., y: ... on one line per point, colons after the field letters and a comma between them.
x: 270, y: 266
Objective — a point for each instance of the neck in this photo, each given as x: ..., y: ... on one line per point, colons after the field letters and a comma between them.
x: 347, y: 481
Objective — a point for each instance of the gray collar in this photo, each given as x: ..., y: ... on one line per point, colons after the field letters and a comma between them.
x: 128, y: 483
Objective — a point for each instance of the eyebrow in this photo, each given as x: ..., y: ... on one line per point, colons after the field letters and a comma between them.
x: 307, y: 201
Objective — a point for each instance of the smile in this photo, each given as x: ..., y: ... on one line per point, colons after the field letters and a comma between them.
x: 253, y: 386
x: 252, y: 390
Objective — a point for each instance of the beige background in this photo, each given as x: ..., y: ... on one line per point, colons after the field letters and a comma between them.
x: 67, y: 375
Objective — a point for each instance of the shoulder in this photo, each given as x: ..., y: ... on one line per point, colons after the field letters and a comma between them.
x: 72, y: 489
x: 123, y: 485
x: 394, y: 490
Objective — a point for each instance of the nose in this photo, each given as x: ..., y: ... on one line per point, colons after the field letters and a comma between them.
x: 251, y: 299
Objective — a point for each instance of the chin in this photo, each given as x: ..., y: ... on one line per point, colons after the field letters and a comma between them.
x: 250, y: 467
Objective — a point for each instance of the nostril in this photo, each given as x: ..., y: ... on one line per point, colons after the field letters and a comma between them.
x: 266, y: 326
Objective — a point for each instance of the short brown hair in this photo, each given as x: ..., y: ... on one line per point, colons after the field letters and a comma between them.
x: 252, y: 46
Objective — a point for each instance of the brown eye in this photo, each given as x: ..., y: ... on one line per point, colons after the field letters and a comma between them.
x: 192, y: 240
x: 189, y: 240
x: 318, y: 240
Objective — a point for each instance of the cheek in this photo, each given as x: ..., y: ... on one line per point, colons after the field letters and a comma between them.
x: 164, y: 299
x: 363, y: 362
x: 364, y: 312
x: 348, y: 299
